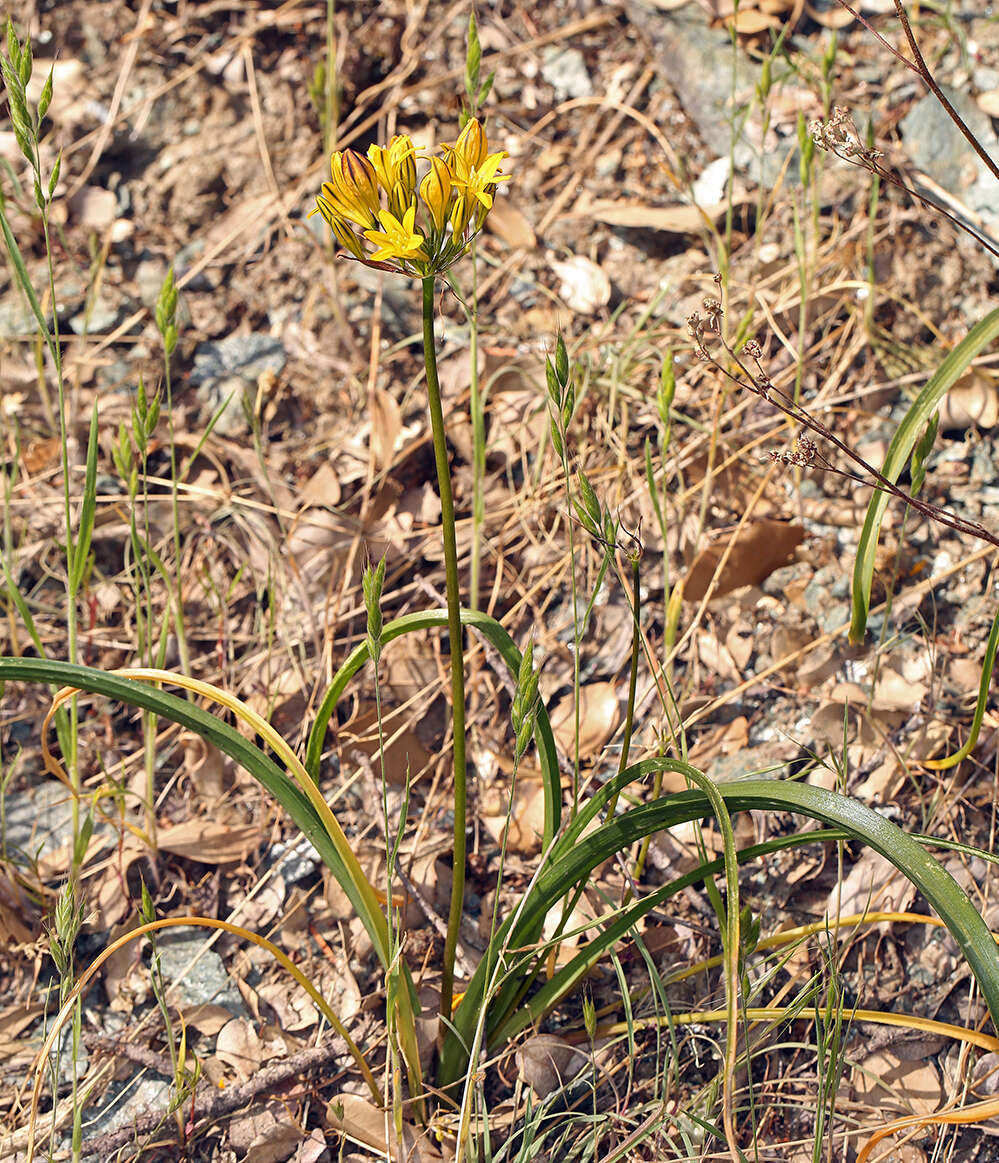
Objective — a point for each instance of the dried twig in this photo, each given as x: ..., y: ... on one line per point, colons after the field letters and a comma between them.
x: 210, y: 1103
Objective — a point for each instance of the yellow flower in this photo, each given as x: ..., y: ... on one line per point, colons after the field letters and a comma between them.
x: 371, y: 202
x: 435, y: 190
x: 475, y: 170
x: 471, y: 145
x: 345, y: 236
x: 481, y: 182
x: 353, y: 192
x: 459, y: 216
x: 396, y: 239
x: 395, y: 166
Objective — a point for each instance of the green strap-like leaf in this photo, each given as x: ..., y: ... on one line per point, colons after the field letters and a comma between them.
x: 88, y: 509
x: 900, y: 450
x: 577, y: 861
x: 497, y: 637
x: 227, y: 739
x: 567, y: 976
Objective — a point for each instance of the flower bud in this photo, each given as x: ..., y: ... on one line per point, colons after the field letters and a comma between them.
x: 471, y: 145
x: 435, y: 189
x: 354, y: 189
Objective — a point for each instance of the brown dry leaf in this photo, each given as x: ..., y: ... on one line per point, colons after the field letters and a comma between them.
x: 429, y: 873
x: 404, y: 754
x: 739, y: 643
x: 362, y: 1122
x: 749, y: 21
x: 523, y: 821
x: 409, y: 667
x: 715, y: 656
x: 599, y: 715
x: 518, y: 421
x: 510, y: 225
x: 758, y: 548
x: 40, y: 454
x: 17, y: 1019
x: 112, y: 900
x: 210, y: 842
x: 322, y: 488
x: 583, y: 914
x: 873, y: 884
x: 889, y: 1082
x: 207, y: 1018
x: 679, y: 219
x: 972, y: 402
x: 863, y: 732
x: 752, y: 16
x: 547, y: 1063
x: 725, y: 739
x: 205, y: 765
x: 386, y: 427
x: 732, y: 478
x: 239, y: 1046
x: 259, y: 910
x: 124, y: 967
x: 265, y: 1135
x: 20, y: 920
x: 372, y: 861
x: 893, y: 692
x: 834, y: 17
x: 294, y: 1008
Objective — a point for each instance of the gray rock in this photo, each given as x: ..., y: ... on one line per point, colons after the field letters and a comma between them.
x: 149, y: 276
x: 294, y: 862
x: 241, y: 355
x: 61, y: 1055
x: 206, y: 982
x: 16, y: 317
x: 698, y: 63
x: 825, y: 596
x: 985, y: 78
x: 939, y: 148
x: 101, y: 317
x: 40, y: 818
x: 227, y: 393
x: 565, y: 70
x: 125, y: 1103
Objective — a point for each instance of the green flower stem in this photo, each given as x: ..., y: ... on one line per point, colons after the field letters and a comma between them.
x: 454, y: 635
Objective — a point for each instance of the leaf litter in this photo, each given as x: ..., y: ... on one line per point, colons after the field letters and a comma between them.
x: 329, y: 461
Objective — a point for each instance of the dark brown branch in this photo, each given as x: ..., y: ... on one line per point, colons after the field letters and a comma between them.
x: 211, y: 1104
x: 773, y: 395
x: 924, y: 71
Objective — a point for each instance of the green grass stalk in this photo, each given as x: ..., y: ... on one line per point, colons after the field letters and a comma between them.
x: 457, y: 653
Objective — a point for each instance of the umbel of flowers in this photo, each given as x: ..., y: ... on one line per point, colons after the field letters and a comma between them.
x: 384, y: 217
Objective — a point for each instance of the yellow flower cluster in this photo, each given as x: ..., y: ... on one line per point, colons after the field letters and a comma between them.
x: 454, y: 198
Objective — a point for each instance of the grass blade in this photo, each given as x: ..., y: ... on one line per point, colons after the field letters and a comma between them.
x: 497, y: 637
x: 897, y: 458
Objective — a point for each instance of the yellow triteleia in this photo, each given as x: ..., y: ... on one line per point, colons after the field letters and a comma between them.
x: 435, y: 190
x: 397, y: 239
x: 395, y: 166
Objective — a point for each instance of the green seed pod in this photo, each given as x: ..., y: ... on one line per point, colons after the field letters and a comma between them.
x: 46, y: 97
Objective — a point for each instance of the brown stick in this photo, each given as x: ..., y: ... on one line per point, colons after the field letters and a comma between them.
x: 210, y: 1104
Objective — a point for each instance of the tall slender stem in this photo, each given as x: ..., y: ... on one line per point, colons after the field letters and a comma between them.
x: 478, y: 441
x: 454, y: 634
